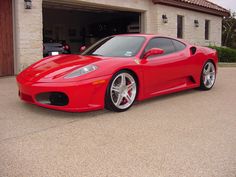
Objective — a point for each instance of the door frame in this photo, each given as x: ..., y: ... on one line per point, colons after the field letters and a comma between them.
x: 16, y: 64
x: 12, y: 48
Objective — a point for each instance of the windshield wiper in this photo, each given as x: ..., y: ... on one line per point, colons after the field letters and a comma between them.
x: 96, y: 55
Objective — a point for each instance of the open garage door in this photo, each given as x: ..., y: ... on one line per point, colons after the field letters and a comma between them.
x: 79, y: 25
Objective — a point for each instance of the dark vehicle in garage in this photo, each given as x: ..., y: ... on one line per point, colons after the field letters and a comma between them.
x: 51, y: 48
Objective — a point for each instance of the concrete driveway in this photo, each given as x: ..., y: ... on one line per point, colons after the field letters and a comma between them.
x: 188, y: 134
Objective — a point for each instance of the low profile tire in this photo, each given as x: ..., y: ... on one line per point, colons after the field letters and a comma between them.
x: 121, y: 92
x: 208, y: 76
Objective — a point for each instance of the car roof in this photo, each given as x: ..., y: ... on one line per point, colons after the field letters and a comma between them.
x: 137, y: 34
x: 148, y: 36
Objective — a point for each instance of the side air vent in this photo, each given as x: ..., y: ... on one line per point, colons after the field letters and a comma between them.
x: 193, y: 50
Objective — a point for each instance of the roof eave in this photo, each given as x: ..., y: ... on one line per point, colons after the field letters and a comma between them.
x: 193, y: 7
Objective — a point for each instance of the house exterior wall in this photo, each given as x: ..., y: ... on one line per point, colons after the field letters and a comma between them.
x: 195, y: 35
x: 28, y: 34
x: 29, y: 24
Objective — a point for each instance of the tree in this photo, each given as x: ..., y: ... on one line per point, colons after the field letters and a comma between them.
x: 229, y: 31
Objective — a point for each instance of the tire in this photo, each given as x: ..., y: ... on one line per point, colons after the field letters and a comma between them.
x: 121, y: 92
x: 208, y: 76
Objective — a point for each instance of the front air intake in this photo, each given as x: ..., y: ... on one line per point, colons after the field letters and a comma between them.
x: 53, y: 98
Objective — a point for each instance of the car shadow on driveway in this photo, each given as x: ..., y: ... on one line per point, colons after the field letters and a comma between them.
x: 63, y: 114
x: 29, y: 119
x: 167, y: 97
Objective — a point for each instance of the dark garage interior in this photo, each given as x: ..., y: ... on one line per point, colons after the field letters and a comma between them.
x: 82, y: 26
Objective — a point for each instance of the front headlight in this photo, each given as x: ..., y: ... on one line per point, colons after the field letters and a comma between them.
x: 81, y: 71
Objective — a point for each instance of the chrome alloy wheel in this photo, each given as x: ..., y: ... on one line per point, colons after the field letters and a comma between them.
x: 209, y: 75
x: 123, y: 90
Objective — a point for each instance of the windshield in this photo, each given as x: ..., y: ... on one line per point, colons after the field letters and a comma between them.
x: 116, y: 46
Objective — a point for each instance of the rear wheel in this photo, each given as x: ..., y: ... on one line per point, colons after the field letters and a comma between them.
x: 208, y: 76
x: 121, y: 92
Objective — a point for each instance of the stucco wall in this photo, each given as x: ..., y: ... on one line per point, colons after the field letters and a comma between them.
x: 195, y: 35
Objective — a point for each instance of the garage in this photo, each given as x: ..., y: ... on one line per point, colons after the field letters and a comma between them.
x: 78, y: 25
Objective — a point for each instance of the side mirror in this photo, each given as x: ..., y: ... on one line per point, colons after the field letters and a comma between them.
x: 83, y: 48
x: 153, y: 51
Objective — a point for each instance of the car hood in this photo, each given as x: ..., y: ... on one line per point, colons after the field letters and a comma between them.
x: 56, y: 67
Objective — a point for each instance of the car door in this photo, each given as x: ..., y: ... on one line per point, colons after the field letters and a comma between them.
x: 167, y: 71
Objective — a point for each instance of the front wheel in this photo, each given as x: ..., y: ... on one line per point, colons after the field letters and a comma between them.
x: 208, y: 76
x: 121, y: 92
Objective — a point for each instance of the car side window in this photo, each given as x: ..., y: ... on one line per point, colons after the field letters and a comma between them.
x: 162, y: 43
x: 178, y: 45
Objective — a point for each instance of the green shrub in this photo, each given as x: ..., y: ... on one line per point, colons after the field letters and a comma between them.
x: 225, y: 54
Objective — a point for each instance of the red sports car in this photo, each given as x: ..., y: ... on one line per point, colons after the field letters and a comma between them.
x: 116, y: 71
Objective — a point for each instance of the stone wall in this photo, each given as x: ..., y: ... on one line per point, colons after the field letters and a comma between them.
x: 28, y: 33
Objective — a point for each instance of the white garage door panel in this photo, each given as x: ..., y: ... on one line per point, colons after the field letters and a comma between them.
x: 86, y: 6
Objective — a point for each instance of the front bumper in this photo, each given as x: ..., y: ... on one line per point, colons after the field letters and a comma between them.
x: 87, y: 95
